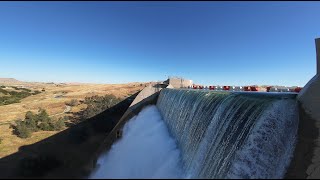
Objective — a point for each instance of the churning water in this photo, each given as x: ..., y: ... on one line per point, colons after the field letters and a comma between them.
x: 206, y: 135
x: 146, y: 150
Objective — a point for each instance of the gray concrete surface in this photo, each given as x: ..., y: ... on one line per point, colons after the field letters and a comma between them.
x: 179, y: 82
x: 310, y: 94
x: 306, y: 161
x: 146, y: 92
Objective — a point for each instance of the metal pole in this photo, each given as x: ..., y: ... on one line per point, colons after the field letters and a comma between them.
x: 318, y: 54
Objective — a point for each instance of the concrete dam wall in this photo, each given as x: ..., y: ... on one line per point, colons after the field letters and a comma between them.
x: 216, y: 131
x: 219, y: 135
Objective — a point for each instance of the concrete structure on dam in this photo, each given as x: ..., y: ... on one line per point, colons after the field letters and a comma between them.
x: 179, y: 82
x: 306, y: 160
x: 310, y: 95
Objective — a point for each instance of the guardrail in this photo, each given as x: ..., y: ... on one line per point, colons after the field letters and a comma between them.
x: 247, y: 88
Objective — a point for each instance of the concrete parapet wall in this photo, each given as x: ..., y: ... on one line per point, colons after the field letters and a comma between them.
x: 310, y: 94
x: 310, y: 97
x: 146, y: 92
x: 179, y: 82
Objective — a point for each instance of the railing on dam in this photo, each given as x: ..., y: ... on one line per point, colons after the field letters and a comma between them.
x: 296, y: 89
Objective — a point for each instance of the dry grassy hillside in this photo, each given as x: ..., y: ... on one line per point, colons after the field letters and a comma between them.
x: 52, y: 99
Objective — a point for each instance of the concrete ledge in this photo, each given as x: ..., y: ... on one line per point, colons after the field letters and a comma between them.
x: 145, y: 93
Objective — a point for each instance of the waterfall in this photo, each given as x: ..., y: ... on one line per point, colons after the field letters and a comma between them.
x: 231, y: 135
x: 206, y: 134
x: 146, y: 150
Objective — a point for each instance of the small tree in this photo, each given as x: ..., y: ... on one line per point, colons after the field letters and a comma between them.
x: 43, y: 116
x: 29, y: 115
x: 31, y: 121
x: 59, y: 125
x: 21, y: 129
x: 31, y: 124
x: 46, y: 126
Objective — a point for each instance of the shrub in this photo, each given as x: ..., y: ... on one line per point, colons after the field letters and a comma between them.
x: 4, y: 91
x: 65, y: 118
x: 59, y: 125
x: 32, y: 125
x: 8, y: 100
x: 97, y: 104
x: 30, y: 115
x: 21, y: 129
x: 43, y: 116
x: 73, y: 102
x: 14, y: 97
x: 46, y: 126
x: 24, y: 89
x: 35, y: 122
x: 36, y: 92
x: 16, y: 88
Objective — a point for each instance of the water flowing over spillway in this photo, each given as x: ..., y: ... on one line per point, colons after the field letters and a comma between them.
x: 146, y: 150
x: 231, y: 135
x: 206, y: 134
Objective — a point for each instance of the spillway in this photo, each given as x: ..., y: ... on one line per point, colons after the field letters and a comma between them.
x: 217, y: 134
x: 231, y: 135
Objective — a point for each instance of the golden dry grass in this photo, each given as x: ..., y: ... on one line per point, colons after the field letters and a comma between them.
x: 11, y: 143
x: 54, y: 105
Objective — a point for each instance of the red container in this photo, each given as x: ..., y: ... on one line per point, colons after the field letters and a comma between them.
x: 227, y: 88
x: 297, y: 89
x: 212, y: 87
x: 254, y: 88
x: 247, y: 88
x: 195, y: 87
x: 268, y: 88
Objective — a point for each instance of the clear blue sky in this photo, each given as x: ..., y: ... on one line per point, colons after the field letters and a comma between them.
x: 224, y: 43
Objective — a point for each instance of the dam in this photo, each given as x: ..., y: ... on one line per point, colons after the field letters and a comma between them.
x: 185, y: 133
x: 219, y: 134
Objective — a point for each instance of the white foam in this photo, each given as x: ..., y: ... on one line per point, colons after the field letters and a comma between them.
x: 146, y: 150
x: 269, y: 148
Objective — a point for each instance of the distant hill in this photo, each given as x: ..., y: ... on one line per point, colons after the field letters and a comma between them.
x: 9, y: 80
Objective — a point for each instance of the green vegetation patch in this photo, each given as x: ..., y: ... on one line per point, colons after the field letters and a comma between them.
x: 37, y: 122
x: 14, y: 96
x: 97, y: 104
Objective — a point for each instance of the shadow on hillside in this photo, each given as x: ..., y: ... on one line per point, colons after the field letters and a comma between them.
x: 67, y: 153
